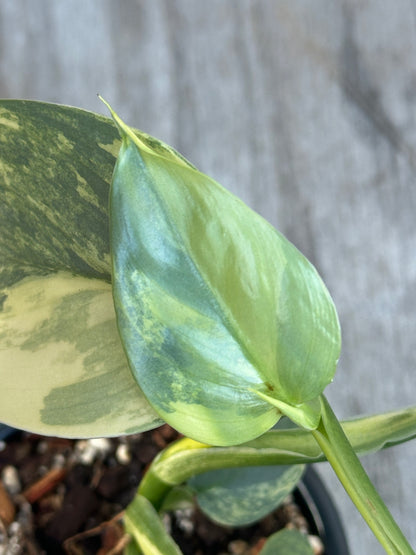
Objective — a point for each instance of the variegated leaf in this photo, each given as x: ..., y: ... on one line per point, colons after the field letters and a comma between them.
x: 225, y: 324
x: 62, y: 367
x: 241, y: 496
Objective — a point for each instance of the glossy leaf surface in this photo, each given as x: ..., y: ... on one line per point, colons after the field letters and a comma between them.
x: 62, y: 367
x: 213, y: 304
x: 285, y: 542
x: 241, y: 496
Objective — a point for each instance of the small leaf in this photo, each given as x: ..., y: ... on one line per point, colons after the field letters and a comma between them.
x: 213, y: 304
x: 241, y: 496
x: 62, y: 366
x: 287, y: 542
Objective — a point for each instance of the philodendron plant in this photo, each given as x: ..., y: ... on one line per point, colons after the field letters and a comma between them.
x: 135, y: 290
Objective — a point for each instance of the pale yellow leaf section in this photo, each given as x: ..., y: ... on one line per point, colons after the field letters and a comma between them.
x: 63, y: 371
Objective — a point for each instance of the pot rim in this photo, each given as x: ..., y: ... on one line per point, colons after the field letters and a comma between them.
x: 314, y: 498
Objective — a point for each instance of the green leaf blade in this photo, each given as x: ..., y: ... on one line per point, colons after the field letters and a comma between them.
x: 56, y: 164
x: 242, y: 496
x: 213, y: 304
x: 166, y: 318
x: 62, y: 366
x: 285, y: 542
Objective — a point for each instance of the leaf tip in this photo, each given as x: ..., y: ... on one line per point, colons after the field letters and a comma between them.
x: 123, y: 129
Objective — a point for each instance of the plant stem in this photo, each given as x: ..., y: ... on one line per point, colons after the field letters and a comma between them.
x: 185, y: 458
x: 155, y: 484
x: 340, y: 454
x: 143, y: 523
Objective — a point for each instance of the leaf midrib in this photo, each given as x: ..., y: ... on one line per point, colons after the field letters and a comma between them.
x: 218, y: 306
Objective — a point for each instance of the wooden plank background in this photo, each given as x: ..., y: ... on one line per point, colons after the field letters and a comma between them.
x: 307, y: 110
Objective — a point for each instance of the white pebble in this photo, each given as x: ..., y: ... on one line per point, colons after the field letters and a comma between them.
x: 58, y: 461
x: 43, y: 447
x: 101, y: 444
x: 88, y: 450
x: 238, y: 547
x: 85, y: 453
x: 123, y: 455
x: 316, y: 544
x: 183, y: 520
x: 10, y: 479
x: 14, y: 528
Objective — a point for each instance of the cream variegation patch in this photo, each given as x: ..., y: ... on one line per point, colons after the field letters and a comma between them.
x: 112, y: 148
x: 9, y: 119
x: 62, y: 367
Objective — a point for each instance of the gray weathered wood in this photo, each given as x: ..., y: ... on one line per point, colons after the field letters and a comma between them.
x: 307, y: 110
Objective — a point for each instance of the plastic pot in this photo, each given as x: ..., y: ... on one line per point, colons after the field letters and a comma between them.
x: 321, y: 513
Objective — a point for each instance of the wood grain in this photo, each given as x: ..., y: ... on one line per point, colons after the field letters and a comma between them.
x: 307, y: 110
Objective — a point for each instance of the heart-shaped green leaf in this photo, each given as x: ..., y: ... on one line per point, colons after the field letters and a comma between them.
x: 225, y: 324
x: 285, y: 542
x: 62, y: 367
x: 241, y: 496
